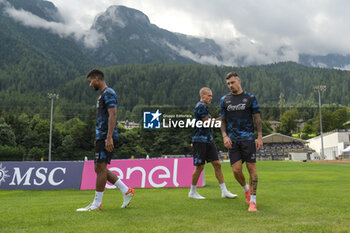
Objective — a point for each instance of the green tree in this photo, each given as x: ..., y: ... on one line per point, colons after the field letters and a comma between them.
x: 9, y: 153
x: 327, y: 121
x: 31, y: 139
x: 68, y: 148
x: 42, y: 131
x: 288, y: 121
x: 307, y: 130
x: 129, y: 144
x: 266, y: 128
x: 7, y: 136
x: 35, y: 154
x: 81, y: 135
x: 19, y: 124
x: 339, y: 118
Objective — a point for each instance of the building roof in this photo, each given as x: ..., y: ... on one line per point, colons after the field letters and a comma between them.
x: 331, y: 132
x: 281, y: 138
x: 347, y: 149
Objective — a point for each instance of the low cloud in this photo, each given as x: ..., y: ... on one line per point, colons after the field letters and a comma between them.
x: 266, y: 30
x: 241, y: 52
x: 208, y: 60
x: 346, y: 67
x: 90, y: 38
x: 255, y: 32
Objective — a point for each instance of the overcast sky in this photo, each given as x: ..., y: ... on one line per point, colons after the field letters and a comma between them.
x: 258, y: 29
x: 311, y: 26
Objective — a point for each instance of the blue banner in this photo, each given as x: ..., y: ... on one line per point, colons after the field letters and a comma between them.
x: 40, y: 175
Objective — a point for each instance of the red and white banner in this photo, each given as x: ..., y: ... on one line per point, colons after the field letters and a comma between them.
x: 146, y: 173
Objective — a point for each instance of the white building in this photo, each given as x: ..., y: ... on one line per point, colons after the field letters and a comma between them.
x: 334, y: 143
x: 129, y: 125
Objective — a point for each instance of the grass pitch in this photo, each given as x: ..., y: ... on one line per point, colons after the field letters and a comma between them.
x: 292, y: 197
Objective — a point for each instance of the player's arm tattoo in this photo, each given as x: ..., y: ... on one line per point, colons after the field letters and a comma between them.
x: 112, y: 120
x: 223, y: 126
x: 258, y: 123
x: 254, y: 184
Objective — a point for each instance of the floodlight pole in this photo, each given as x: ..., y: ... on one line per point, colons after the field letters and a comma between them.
x: 51, y: 96
x: 319, y: 89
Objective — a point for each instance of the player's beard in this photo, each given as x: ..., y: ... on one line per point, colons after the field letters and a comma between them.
x: 234, y: 91
x: 96, y: 87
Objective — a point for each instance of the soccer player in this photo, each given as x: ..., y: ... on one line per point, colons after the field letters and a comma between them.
x: 237, y: 111
x: 106, y: 140
x: 204, y: 149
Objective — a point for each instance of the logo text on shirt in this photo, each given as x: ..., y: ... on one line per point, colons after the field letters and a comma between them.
x: 236, y: 107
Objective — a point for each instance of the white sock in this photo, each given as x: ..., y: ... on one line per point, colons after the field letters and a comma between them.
x: 121, y: 186
x: 223, y: 187
x: 246, y: 188
x: 253, y: 198
x: 193, y: 189
x: 98, y: 199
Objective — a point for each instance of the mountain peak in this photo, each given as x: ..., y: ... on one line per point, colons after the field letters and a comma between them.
x: 43, y: 9
x: 120, y: 17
